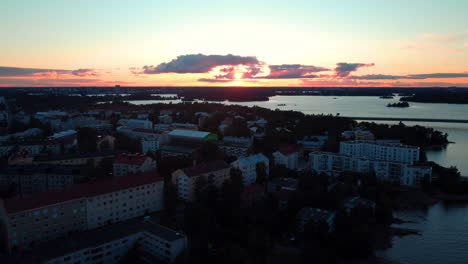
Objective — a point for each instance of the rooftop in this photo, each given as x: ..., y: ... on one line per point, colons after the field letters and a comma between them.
x: 131, y: 159
x: 204, y: 168
x: 188, y: 133
x: 288, y: 149
x: 79, y: 191
x: 253, y: 159
x: 379, y: 142
x: 76, y: 156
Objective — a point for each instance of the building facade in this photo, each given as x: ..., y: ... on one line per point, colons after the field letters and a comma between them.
x: 391, y: 171
x: 378, y: 150
x: 110, y: 244
x: 248, y: 167
x: 185, y: 180
x: 126, y: 164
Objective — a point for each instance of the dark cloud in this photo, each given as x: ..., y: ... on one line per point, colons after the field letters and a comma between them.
x: 215, y: 80
x: 16, y: 72
x: 378, y: 77
x: 293, y: 71
x: 411, y: 76
x: 343, y: 69
x: 28, y: 82
x: 198, y: 63
x: 84, y: 72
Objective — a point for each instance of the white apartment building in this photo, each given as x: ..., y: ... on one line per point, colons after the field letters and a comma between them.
x: 137, y: 123
x: 288, y: 156
x: 378, y: 150
x: 108, y: 245
x: 391, y: 171
x: 248, y: 167
x: 132, y: 163
x: 50, y: 215
x: 150, y: 143
x: 185, y: 180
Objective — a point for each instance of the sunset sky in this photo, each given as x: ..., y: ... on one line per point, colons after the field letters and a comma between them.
x: 250, y: 43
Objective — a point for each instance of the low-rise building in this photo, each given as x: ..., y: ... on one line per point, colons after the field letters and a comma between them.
x: 307, y: 215
x: 185, y: 180
x: 248, y: 167
x: 165, y: 119
x: 126, y: 164
x: 288, y: 156
x: 191, y: 137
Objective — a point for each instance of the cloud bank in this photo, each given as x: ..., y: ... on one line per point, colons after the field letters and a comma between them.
x: 50, y: 73
x: 198, y: 63
x: 344, y: 69
x: 411, y: 76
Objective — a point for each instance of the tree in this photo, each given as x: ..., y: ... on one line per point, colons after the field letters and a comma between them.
x: 87, y: 139
x: 261, y: 171
x: 170, y: 197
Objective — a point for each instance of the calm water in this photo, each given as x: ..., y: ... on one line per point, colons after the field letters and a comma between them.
x: 443, y: 240
x: 356, y: 106
x: 444, y: 227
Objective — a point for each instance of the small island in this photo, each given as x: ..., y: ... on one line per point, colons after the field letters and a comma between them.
x: 399, y: 104
x: 386, y: 97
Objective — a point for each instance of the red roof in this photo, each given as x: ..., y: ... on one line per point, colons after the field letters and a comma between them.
x: 204, y: 168
x: 131, y: 159
x: 288, y: 149
x: 79, y: 191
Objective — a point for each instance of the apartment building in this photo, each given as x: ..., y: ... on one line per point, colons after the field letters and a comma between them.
x: 27, y: 179
x: 25, y: 221
x: 136, y: 123
x: 288, y: 156
x: 380, y: 150
x: 126, y: 164
x: 109, y: 244
x: 391, y: 171
x: 149, y: 143
x: 185, y: 180
x: 248, y: 167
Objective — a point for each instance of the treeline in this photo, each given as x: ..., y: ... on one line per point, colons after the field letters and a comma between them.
x: 448, y: 97
x: 412, y: 135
